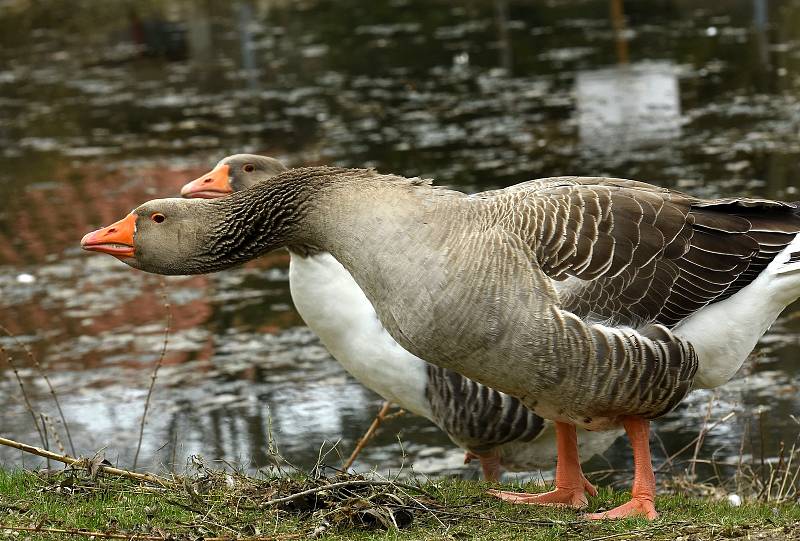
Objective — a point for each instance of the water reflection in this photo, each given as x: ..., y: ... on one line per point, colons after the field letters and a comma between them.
x: 627, y: 105
x: 476, y: 94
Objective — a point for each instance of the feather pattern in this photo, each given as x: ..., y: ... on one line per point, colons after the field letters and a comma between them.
x: 478, y: 416
x: 655, y: 255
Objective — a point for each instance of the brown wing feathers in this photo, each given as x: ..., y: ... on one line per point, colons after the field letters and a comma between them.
x: 645, y: 254
x: 771, y: 226
x: 719, y: 251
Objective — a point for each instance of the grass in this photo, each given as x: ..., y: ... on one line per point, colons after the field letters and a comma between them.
x: 213, y: 504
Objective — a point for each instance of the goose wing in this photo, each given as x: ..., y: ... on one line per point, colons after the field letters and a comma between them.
x: 631, y: 253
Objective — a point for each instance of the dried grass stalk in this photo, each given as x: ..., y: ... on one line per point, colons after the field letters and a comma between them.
x: 156, y: 367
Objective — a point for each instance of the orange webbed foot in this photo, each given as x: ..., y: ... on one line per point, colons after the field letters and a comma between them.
x: 560, y: 497
x: 571, y: 485
x: 637, y: 507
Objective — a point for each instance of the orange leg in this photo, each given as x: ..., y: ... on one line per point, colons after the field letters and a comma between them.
x: 490, y: 464
x: 644, y: 480
x: 571, y: 485
x: 491, y: 467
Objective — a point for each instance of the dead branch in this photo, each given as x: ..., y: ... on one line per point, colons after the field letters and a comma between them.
x: 145, y: 477
x: 362, y: 442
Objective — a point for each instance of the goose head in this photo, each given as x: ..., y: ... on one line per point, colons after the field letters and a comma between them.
x: 200, y: 235
x: 232, y: 174
x: 163, y: 236
x: 172, y: 236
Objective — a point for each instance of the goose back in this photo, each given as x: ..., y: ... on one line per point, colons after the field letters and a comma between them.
x: 629, y: 253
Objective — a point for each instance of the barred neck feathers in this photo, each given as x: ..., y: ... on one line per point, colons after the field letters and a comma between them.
x: 257, y: 220
x: 302, y: 209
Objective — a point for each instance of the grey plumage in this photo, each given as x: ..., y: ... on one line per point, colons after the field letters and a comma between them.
x: 494, y: 270
x: 559, y: 291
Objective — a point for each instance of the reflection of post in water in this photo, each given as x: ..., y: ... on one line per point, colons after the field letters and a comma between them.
x: 503, y: 39
x: 760, y: 24
x: 627, y: 105
x: 198, y: 23
x: 618, y: 20
x: 244, y: 10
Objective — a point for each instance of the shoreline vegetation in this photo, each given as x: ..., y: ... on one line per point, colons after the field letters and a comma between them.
x: 90, y: 499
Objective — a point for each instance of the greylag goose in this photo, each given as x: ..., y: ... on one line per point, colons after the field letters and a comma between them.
x: 491, y: 426
x: 597, y: 302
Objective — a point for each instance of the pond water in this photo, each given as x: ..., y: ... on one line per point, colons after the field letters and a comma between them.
x: 105, y: 105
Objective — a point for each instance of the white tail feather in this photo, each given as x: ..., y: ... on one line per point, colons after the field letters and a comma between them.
x: 788, y: 267
x: 724, y: 333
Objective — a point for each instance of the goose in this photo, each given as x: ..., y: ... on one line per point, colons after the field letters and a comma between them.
x: 490, y: 426
x: 597, y: 302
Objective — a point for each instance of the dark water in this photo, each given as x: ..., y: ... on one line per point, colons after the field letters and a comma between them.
x: 104, y: 105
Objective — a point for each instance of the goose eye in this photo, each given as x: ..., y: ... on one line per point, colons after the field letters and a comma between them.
x: 248, y: 168
x: 157, y: 217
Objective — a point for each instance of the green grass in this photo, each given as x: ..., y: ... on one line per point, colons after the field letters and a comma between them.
x: 220, y: 505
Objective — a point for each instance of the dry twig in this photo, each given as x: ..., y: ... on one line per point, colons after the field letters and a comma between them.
x: 703, y: 432
x: 702, y: 435
x: 48, y: 422
x: 146, y: 477
x: 28, y: 404
x: 43, y: 373
x: 362, y: 442
x: 156, y: 367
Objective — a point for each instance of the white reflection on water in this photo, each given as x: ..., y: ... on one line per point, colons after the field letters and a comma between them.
x: 629, y: 104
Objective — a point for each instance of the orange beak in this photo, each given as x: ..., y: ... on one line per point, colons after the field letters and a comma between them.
x: 211, y: 185
x: 116, y: 239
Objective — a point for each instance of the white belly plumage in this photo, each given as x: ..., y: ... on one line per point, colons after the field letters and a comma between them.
x: 333, y: 306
